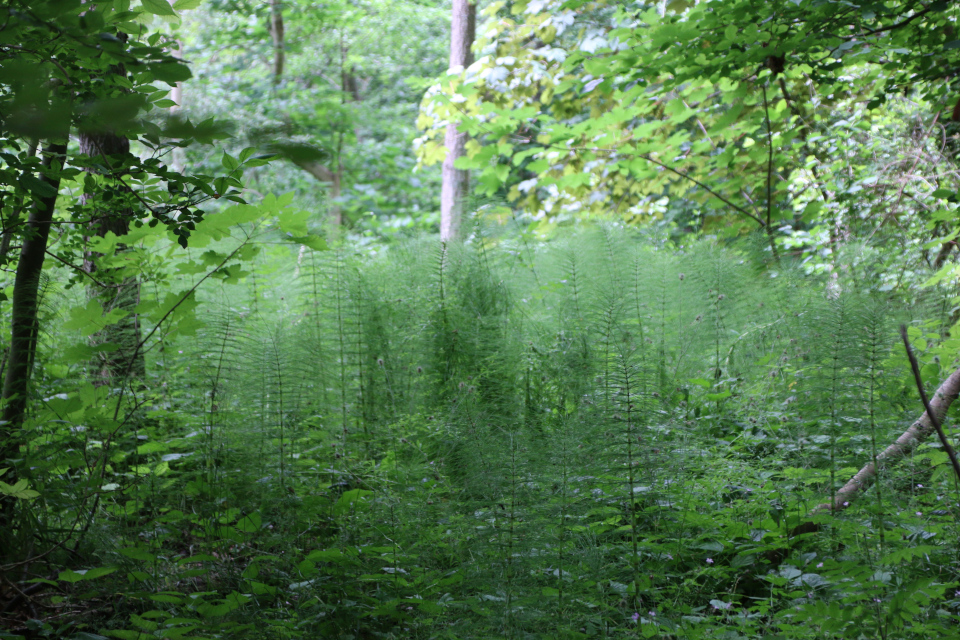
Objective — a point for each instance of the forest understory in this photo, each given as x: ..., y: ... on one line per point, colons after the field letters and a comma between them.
x: 604, y: 438
x: 479, y: 319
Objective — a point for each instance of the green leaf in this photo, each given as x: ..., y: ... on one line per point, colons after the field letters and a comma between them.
x: 98, y: 572
x: 172, y: 72
x: 36, y: 186
x: 907, y: 554
x: 18, y: 490
x: 229, y: 162
x: 294, y: 222
x: 351, y: 501
x: 166, y: 598
x: 186, y: 5
x: 316, y: 243
x: 250, y: 523
x: 158, y: 7
x: 91, y: 318
x: 136, y: 553
x: 70, y: 576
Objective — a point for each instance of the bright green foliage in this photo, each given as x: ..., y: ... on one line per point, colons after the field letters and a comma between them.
x: 747, y: 114
x: 19, y: 491
x: 348, y: 96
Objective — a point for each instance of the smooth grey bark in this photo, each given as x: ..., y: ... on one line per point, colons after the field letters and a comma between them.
x: 456, y: 182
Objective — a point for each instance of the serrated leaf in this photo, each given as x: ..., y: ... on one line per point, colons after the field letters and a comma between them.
x: 229, y: 162
x: 91, y: 318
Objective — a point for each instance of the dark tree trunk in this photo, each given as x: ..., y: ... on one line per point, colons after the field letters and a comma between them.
x: 276, y: 32
x: 23, y: 325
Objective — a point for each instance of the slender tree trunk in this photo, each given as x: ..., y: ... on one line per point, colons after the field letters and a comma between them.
x: 276, y: 32
x: 336, y: 213
x: 122, y: 291
x: 24, y: 307
x: 176, y: 94
x: 456, y: 182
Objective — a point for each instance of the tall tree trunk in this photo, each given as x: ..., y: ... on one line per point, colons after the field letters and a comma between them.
x: 176, y: 94
x: 276, y: 32
x: 456, y: 182
x: 121, y: 292
x: 24, y: 307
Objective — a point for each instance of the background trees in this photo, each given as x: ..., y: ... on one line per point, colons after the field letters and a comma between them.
x: 341, y: 114
x: 725, y: 119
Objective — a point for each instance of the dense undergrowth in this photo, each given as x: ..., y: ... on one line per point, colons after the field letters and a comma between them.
x: 603, y: 437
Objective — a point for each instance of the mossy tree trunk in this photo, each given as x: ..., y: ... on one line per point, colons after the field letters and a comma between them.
x: 117, y: 289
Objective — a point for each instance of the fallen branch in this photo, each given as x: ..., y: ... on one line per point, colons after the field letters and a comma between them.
x: 951, y: 454
x: 905, y: 444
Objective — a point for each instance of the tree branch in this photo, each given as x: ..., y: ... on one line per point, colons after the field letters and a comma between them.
x: 905, y: 444
x: 926, y: 403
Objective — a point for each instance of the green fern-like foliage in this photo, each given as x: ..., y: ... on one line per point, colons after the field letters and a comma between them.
x: 601, y: 436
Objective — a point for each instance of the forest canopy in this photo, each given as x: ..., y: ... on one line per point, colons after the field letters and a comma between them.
x: 491, y: 319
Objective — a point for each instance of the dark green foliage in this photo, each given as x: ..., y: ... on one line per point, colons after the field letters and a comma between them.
x: 604, y: 441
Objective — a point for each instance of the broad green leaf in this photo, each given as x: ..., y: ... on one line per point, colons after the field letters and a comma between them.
x: 229, y: 162
x: 137, y: 553
x: 18, y: 490
x: 158, y: 7
x: 351, y: 501
x: 314, y: 242
x: 98, y: 572
x: 36, y: 186
x: 250, y: 523
x: 70, y: 576
x: 91, y: 318
x: 294, y: 222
